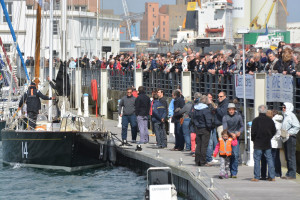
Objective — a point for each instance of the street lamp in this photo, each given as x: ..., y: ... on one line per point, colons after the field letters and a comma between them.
x: 244, y: 31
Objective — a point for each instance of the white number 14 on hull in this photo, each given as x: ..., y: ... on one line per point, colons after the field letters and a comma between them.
x: 24, y: 150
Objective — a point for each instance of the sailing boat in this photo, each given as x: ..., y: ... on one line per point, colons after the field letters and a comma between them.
x: 65, y: 145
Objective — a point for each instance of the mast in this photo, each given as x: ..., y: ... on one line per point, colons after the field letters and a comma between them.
x: 13, y: 36
x: 97, y: 27
x: 63, y: 29
x: 37, y: 45
x: 50, y: 57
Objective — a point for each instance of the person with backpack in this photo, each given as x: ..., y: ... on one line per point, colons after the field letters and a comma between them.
x: 32, y: 99
x: 202, y: 121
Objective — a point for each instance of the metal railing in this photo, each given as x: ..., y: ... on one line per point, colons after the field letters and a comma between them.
x: 120, y: 80
x: 166, y: 81
x: 201, y: 82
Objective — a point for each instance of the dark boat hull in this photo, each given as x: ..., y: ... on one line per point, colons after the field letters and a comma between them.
x: 2, y: 126
x: 69, y: 151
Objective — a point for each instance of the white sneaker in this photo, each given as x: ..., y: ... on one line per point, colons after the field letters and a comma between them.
x: 214, y: 161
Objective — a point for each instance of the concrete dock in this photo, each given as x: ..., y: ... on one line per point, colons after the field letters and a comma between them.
x: 202, y: 182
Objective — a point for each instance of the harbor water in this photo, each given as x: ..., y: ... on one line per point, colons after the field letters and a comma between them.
x: 106, y: 183
x: 103, y: 183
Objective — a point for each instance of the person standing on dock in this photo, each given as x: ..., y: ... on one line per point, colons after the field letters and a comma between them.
x: 233, y: 122
x: 220, y: 111
x: 262, y: 131
x: 32, y: 99
x: 128, y: 116
x: 159, y: 114
x: 142, y: 108
x: 291, y: 125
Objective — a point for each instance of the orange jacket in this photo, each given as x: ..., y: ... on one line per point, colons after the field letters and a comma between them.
x: 225, y: 147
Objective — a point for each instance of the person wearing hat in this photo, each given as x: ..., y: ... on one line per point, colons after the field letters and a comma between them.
x: 233, y: 122
x: 32, y: 99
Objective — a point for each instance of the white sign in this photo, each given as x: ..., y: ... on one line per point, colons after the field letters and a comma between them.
x: 239, y: 86
x: 238, y: 8
x: 280, y: 88
x: 157, y: 192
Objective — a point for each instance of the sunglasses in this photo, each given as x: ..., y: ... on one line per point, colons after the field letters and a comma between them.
x: 220, y: 96
x: 283, y: 107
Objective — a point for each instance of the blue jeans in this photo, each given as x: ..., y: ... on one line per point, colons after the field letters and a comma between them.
x: 276, y: 161
x: 290, y: 156
x: 187, y: 133
x: 257, y: 158
x: 179, y: 139
x: 234, y: 159
x: 213, y: 141
x: 133, y: 123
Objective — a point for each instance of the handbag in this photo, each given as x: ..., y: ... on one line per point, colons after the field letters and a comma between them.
x: 181, y: 120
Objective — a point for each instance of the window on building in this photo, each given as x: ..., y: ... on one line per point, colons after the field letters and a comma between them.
x: 55, y: 27
x: 9, y: 10
x: 164, y: 36
x: 56, y: 5
x: 153, y: 9
x: 164, y: 29
x: 69, y: 7
x: 30, y: 7
x: 83, y: 8
x: 76, y: 8
x: 153, y: 30
x: 164, y: 23
x: 153, y: 15
x: 7, y: 47
x: 153, y: 23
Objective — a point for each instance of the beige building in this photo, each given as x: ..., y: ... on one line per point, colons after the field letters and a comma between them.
x: 177, y: 14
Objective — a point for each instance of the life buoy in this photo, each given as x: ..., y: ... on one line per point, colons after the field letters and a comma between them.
x: 94, y: 89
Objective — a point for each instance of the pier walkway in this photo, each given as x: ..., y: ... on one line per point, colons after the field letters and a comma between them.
x: 240, y: 188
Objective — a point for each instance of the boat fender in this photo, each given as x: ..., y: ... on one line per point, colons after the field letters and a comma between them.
x: 112, y: 152
x: 105, y: 151
x: 94, y: 89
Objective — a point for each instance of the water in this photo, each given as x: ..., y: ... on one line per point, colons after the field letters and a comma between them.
x: 106, y: 183
x: 18, y: 182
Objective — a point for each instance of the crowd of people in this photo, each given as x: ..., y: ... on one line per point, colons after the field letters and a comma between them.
x: 208, y: 128
x: 284, y: 59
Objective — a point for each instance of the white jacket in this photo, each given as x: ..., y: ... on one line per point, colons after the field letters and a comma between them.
x: 276, y: 141
x: 290, y: 121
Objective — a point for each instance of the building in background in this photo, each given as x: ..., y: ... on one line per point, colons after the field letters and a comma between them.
x: 177, y: 14
x: 155, y: 25
x: 81, y: 29
x: 294, y: 29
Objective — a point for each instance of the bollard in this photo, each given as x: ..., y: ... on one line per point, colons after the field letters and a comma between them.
x: 250, y: 161
x: 86, y: 105
x: 226, y: 196
x: 180, y: 162
x: 199, y: 173
x: 157, y: 154
x: 119, y: 117
x: 211, y: 183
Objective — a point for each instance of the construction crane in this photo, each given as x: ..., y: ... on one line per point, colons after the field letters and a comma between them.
x: 128, y: 21
x: 254, y: 22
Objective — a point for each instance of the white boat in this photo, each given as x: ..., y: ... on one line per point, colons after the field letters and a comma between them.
x: 160, y: 184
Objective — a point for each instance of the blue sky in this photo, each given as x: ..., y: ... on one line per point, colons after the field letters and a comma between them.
x: 139, y: 6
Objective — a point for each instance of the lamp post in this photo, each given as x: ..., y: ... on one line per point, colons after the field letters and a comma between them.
x: 244, y: 31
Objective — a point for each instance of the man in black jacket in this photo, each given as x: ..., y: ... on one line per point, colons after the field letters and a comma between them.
x: 32, y: 99
x: 142, y: 108
x: 163, y: 100
x: 262, y: 131
x: 221, y: 111
x: 178, y: 104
